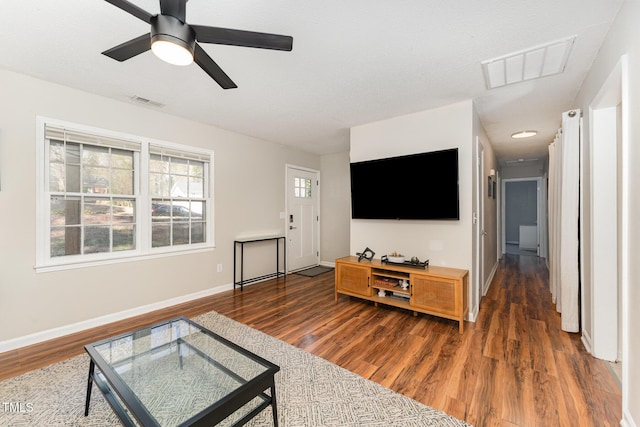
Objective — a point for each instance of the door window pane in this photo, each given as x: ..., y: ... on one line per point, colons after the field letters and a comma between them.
x: 302, y: 187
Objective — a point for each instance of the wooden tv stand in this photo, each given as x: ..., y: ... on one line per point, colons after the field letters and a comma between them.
x: 439, y: 291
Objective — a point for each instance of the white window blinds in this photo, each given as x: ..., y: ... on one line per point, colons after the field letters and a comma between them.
x: 53, y: 132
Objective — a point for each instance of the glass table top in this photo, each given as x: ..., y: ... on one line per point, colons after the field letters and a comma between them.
x: 178, y: 369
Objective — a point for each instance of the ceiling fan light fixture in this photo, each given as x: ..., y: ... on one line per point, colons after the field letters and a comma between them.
x: 171, y: 40
x: 524, y: 134
x: 172, y: 52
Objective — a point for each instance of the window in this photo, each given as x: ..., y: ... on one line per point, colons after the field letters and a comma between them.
x: 302, y: 187
x: 178, y: 207
x: 106, y: 197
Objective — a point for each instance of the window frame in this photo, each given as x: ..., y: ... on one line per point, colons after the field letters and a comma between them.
x: 143, y: 250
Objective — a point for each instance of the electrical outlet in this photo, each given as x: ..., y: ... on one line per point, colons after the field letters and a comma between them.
x: 219, y: 269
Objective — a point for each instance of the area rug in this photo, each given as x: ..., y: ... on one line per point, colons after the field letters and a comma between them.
x: 310, y: 391
x: 314, y: 271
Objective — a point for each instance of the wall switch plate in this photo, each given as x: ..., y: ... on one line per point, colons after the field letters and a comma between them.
x: 219, y: 268
x: 283, y: 215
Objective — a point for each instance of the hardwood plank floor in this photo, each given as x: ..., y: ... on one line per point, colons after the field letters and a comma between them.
x: 512, y: 367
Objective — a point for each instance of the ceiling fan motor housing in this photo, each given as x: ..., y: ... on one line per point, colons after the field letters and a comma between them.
x: 171, y: 29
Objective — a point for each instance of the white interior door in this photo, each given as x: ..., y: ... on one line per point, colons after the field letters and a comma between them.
x: 302, y: 218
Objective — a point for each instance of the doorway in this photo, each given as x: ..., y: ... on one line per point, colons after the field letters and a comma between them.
x: 603, y: 328
x: 521, y: 216
x: 302, y: 220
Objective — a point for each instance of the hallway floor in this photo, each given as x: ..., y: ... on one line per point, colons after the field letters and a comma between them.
x: 514, y: 249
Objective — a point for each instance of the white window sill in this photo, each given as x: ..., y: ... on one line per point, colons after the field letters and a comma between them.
x: 60, y: 266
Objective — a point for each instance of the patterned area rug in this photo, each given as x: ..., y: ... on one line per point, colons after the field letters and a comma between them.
x: 310, y: 391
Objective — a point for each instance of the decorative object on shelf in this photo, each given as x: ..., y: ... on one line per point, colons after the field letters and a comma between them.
x: 404, y: 284
x: 367, y: 254
x: 382, y: 293
x: 386, y: 259
x: 396, y: 257
x: 414, y: 260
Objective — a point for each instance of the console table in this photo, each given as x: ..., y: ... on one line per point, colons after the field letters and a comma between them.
x: 241, y: 242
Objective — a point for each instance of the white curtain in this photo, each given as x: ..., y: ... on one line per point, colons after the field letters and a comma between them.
x: 564, y: 187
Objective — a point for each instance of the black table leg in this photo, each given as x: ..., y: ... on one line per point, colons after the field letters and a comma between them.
x: 273, y: 405
x: 89, y: 387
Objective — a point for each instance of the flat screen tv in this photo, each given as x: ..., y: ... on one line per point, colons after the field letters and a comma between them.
x: 416, y: 187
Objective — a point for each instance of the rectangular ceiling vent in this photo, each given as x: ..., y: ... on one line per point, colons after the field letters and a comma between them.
x: 540, y: 61
x: 146, y: 101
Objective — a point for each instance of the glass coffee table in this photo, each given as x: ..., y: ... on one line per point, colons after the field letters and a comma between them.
x: 177, y: 373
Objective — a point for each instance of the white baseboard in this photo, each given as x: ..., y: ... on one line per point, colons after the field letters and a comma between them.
x: 472, y: 315
x: 487, y: 284
x: 627, y: 419
x: 586, y: 341
x: 61, y: 331
x: 328, y: 264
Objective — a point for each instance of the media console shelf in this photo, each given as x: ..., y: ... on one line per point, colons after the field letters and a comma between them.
x: 439, y: 291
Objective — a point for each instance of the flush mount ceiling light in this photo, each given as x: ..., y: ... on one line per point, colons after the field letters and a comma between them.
x: 524, y: 134
x: 540, y: 61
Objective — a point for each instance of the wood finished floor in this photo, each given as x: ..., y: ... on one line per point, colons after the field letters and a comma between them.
x: 512, y: 367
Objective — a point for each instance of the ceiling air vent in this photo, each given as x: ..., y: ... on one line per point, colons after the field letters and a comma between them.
x: 146, y: 101
x: 540, y: 61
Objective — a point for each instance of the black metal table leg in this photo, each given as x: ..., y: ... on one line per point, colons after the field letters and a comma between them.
x: 273, y: 405
x: 89, y: 387
x: 242, y: 266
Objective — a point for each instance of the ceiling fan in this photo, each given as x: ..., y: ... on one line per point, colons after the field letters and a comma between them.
x: 176, y: 42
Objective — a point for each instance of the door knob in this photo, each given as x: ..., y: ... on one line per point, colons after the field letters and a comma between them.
x: 291, y: 227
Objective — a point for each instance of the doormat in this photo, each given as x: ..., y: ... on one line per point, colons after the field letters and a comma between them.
x: 314, y: 271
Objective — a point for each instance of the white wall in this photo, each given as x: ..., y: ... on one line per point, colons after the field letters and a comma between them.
x: 523, y: 170
x: 335, y: 209
x: 444, y: 243
x: 624, y: 38
x: 249, y: 196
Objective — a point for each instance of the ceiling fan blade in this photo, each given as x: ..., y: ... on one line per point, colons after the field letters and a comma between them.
x: 132, y: 9
x: 175, y: 8
x: 210, y: 67
x: 231, y: 37
x: 129, y: 49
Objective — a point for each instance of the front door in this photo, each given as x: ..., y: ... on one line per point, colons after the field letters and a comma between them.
x: 302, y: 218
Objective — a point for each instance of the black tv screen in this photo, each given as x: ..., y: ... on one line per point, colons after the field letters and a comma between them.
x: 419, y: 186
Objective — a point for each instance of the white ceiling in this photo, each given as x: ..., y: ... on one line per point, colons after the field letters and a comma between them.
x: 353, y: 62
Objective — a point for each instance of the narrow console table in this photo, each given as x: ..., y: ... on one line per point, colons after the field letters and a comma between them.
x: 241, y: 242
